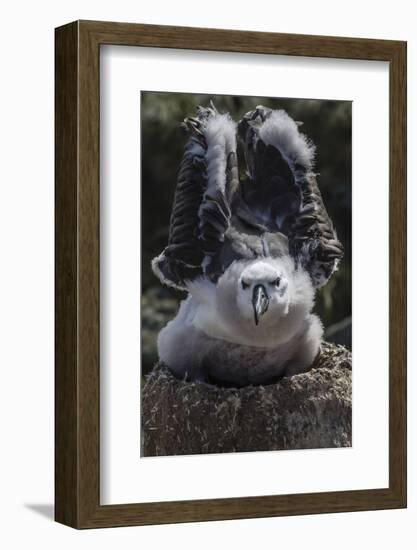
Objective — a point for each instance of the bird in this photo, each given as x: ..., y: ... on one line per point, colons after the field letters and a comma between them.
x: 250, y: 252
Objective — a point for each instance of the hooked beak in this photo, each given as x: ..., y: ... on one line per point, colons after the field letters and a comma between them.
x: 260, y: 301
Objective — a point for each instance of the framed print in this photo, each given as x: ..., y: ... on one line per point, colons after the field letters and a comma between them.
x: 230, y: 274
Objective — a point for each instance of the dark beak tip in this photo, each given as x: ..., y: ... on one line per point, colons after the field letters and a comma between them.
x: 260, y: 302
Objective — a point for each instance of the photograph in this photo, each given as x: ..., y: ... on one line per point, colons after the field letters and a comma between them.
x: 246, y: 260
x: 209, y: 254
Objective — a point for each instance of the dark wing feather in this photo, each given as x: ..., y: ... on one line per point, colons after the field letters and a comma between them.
x: 283, y: 196
x: 201, y: 213
x: 183, y: 256
x: 312, y: 236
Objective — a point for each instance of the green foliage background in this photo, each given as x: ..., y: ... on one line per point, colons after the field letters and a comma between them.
x: 327, y: 123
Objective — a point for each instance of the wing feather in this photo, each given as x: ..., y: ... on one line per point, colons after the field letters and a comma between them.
x: 206, y: 182
x: 283, y: 193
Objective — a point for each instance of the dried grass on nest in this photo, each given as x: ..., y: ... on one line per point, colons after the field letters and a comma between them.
x: 307, y: 411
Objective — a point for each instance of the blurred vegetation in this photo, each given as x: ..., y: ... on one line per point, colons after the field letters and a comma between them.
x: 327, y: 123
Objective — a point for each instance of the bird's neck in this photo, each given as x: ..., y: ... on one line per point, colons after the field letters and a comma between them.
x: 240, y: 331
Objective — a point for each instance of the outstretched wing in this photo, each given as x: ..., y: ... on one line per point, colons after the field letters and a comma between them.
x: 201, y: 214
x: 282, y: 192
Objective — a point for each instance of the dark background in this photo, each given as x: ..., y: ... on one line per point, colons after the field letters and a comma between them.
x: 327, y: 123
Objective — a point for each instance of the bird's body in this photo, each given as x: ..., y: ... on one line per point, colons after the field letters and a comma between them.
x: 210, y: 340
x: 250, y: 255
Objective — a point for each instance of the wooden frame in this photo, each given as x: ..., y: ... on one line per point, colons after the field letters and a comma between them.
x: 77, y: 274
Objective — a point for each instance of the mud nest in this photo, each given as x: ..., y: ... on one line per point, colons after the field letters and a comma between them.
x: 307, y: 411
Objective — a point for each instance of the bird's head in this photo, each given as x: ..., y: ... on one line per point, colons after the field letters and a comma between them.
x: 263, y: 293
x: 260, y: 302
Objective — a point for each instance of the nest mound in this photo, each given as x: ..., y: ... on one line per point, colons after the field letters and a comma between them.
x: 306, y: 411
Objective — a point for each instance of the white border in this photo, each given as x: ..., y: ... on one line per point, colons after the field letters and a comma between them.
x: 124, y: 476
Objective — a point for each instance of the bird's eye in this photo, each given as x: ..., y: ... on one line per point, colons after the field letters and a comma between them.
x: 276, y: 282
x: 245, y: 285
